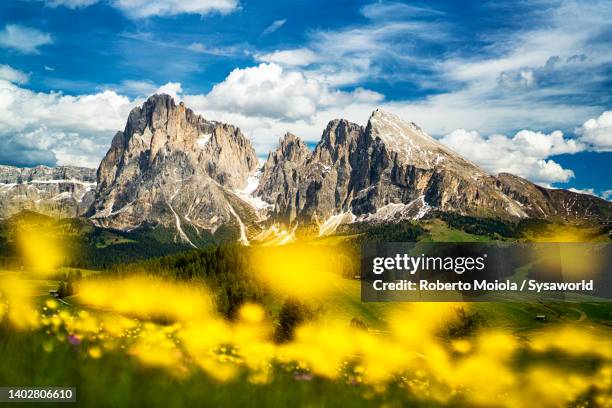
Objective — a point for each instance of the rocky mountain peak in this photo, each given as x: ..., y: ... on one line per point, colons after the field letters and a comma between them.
x: 338, y: 139
x: 411, y: 145
x: 279, y: 176
x: 292, y: 148
x: 407, y: 140
x: 160, y: 111
x: 172, y: 167
x: 153, y: 112
x: 163, y: 126
x: 338, y: 132
x: 160, y: 128
x: 387, y: 125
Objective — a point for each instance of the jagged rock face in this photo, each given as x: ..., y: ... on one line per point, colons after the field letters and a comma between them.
x: 397, y: 163
x: 64, y: 191
x: 172, y: 167
x: 301, y: 184
x: 333, y: 153
x: 393, y: 170
x: 279, y: 177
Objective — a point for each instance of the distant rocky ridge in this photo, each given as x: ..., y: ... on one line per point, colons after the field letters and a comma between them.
x: 64, y: 191
x: 392, y: 170
x: 173, y: 168
x: 554, y: 203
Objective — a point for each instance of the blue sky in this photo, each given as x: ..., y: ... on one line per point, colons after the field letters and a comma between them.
x: 518, y: 86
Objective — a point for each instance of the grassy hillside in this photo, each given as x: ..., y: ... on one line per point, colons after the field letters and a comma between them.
x: 87, y: 246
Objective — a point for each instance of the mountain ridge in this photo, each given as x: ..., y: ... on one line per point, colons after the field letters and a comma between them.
x: 392, y: 170
x: 62, y: 191
x: 173, y: 168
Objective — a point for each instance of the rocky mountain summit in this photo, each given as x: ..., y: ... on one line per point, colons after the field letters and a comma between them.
x: 393, y: 170
x: 173, y: 168
x: 64, y: 191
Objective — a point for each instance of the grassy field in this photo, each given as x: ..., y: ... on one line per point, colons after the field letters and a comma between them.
x: 512, y: 316
x: 116, y: 381
x: 438, y: 231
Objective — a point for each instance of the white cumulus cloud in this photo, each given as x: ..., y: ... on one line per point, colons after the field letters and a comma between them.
x: 173, y: 89
x: 525, y: 154
x: 53, y: 128
x: 598, y: 132
x: 267, y: 90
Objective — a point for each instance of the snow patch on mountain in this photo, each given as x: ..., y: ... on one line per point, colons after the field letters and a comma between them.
x: 203, y: 139
x: 247, y: 193
x: 393, y: 212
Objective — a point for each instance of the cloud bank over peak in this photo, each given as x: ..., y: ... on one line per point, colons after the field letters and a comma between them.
x: 52, y: 128
x: 524, y: 154
x: 269, y: 91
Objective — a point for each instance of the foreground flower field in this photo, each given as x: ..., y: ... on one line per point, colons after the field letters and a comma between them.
x: 158, y: 342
